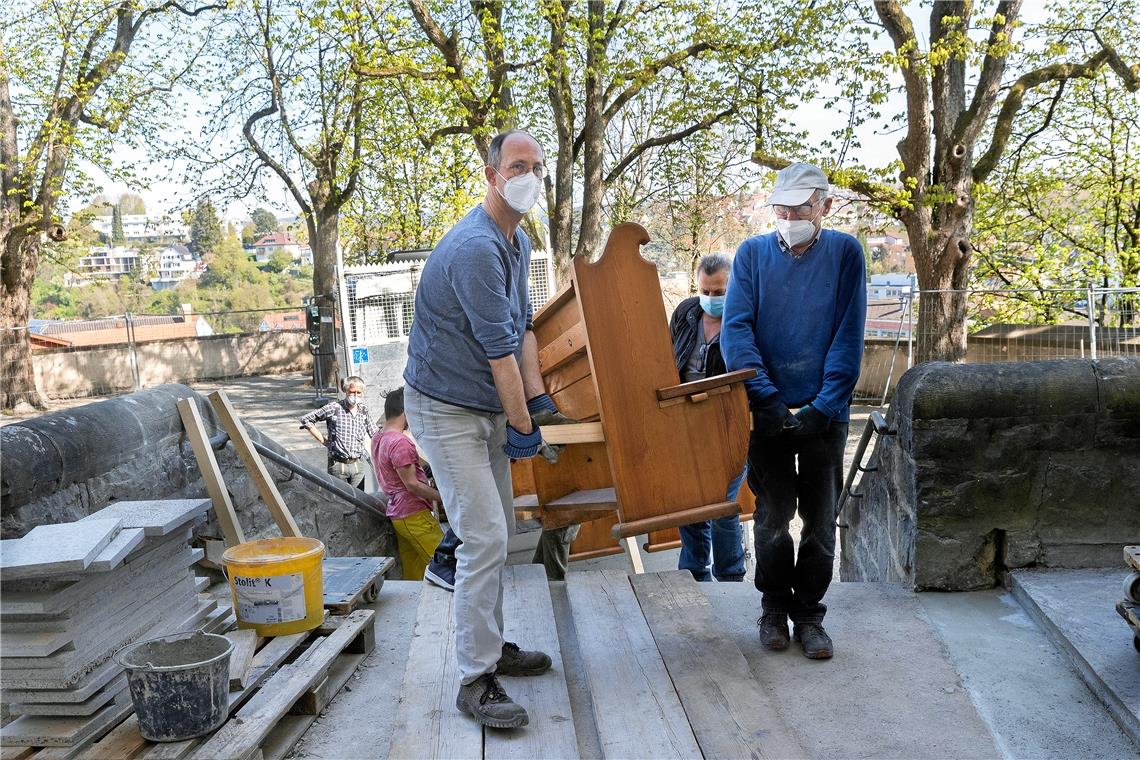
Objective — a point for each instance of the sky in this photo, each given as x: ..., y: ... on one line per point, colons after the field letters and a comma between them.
x: 167, y: 192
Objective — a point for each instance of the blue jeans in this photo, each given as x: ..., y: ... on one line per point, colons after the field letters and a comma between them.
x: 720, y: 537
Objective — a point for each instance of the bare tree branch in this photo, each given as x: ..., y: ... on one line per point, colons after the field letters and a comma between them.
x: 668, y: 139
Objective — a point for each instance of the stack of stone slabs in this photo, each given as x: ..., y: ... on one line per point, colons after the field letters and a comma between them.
x: 76, y: 593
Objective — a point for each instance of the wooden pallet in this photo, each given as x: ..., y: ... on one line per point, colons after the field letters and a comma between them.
x: 290, y: 680
x: 352, y: 581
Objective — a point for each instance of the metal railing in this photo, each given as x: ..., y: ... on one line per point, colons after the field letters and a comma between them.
x: 876, y: 426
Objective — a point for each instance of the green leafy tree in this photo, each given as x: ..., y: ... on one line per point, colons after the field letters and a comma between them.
x: 1063, y: 209
x: 966, y: 85
x: 205, y: 228
x: 278, y: 262
x: 117, y: 235
x: 289, y: 89
x: 264, y: 223
x: 87, y: 75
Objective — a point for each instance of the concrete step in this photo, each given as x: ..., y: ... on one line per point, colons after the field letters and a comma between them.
x: 1076, y: 608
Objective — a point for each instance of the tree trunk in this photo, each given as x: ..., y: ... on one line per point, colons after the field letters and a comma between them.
x: 593, y: 148
x: 324, y: 231
x: 17, y: 379
x: 942, y: 259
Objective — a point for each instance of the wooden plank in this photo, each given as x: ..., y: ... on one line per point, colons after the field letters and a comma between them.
x: 731, y: 713
x: 704, y: 384
x: 581, y: 432
x: 211, y: 472
x: 578, y: 401
x: 256, y: 468
x: 566, y: 375
x: 634, y: 555
x: 556, y: 316
x: 528, y: 615
x: 560, y: 350
x: 636, y: 709
x: 428, y: 725
x: 245, y: 646
x: 1132, y: 557
x: 123, y: 742
x: 243, y: 733
x: 16, y: 753
x: 283, y: 739
x: 594, y: 498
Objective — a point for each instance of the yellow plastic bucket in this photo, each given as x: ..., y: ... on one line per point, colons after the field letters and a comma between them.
x: 276, y: 584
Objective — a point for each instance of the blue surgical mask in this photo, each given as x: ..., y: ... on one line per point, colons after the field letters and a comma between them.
x: 713, y: 305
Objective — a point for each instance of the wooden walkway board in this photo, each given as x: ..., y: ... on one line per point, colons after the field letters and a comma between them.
x: 731, y: 714
x: 428, y: 725
x: 528, y: 615
x: 624, y: 669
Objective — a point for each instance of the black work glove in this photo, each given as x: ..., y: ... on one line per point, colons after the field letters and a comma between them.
x: 811, y: 421
x: 544, y: 412
x: 770, y: 416
x: 522, y: 445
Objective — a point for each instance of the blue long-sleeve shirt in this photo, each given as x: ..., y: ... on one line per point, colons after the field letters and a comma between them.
x: 798, y: 320
x: 472, y: 305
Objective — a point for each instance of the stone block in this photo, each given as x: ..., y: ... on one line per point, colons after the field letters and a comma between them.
x: 56, y: 549
x: 156, y: 518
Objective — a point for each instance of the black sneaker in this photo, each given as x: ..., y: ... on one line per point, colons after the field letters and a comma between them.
x: 519, y: 662
x: 439, y: 574
x: 815, y: 641
x: 485, y: 701
x: 774, y: 631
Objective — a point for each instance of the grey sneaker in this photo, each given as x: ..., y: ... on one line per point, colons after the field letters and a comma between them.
x: 815, y: 641
x: 485, y: 701
x: 774, y: 631
x: 439, y: 574
x: 519, y: 662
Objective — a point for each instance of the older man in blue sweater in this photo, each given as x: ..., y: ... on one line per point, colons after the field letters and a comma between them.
x: 795, y: 314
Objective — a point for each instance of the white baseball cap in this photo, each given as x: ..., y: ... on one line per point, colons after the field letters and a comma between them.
x: 795, y: 184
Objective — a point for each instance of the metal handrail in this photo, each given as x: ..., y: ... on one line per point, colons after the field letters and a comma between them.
x: 876, y: 425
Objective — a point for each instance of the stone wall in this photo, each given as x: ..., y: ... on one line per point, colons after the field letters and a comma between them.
x: 1000, y: 466
x: 98, y: 370
x: 63, y: 466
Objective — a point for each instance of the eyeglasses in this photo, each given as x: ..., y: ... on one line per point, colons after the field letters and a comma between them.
x: 519, y: 168
x: 795, y: 212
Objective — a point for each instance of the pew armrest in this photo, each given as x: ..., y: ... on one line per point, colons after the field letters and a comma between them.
x: 705, y: 386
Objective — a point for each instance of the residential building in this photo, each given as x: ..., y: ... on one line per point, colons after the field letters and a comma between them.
x: 140, y: 228
x: 282, y: 241
x: 174, y: 264
x: 104, y: 263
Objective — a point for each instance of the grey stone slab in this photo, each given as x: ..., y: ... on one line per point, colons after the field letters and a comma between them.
x: 32, y: 644
x: 1077, y: 609
x: 1024, y: 687
x: 115, y: 552
x: 88, y: 706
x: 55, y: 549
x: 157, y: 517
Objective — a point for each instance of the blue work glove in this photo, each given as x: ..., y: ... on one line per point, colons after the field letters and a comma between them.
x: 522, y: 445
x: 544, y: 412
x: 811, y: 421
x: 770, y: 416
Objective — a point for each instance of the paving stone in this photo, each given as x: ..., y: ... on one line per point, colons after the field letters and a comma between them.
x: 56, y: 549
x: 115, y: 552
x: 158, y: 517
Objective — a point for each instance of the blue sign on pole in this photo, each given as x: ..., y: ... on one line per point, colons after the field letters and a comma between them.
x: 359, y: 355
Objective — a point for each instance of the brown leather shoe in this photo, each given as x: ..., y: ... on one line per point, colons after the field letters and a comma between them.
x: 774, y: 631
x: 815, y: 641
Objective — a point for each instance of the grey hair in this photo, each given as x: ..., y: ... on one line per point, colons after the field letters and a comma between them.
x: 495, y: 149
x: 713, y: 263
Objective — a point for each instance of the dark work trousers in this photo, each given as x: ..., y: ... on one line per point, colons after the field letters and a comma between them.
x: 785, y: 469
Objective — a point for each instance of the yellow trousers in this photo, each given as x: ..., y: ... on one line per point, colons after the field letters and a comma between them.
x: 417, y: 537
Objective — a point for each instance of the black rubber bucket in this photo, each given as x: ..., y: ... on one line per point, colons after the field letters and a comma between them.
x: 180, y: 684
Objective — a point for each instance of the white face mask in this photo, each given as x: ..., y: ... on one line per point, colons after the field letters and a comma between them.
x: 795, y: 231
x: 353, y: 399
x: 521, y: 192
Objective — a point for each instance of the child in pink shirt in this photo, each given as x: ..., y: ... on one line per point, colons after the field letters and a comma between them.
x: 403, y: 480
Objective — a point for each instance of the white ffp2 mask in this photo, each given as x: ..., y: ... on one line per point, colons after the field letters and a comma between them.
x: 521, y: 192
x: 795, y: 231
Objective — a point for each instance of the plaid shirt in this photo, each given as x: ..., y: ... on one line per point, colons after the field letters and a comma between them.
x: 346, y: 430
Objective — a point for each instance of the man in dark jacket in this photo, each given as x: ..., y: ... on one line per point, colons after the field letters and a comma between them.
x: 696, y: 348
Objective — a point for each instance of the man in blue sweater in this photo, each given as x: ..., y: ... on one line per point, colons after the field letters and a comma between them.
x: 795, y: 314
x: 473, y: 384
